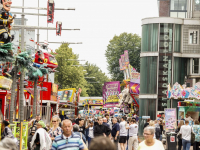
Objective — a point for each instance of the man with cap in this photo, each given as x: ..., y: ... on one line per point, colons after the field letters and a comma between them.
x: 5, y: 21
x: 41, y: 139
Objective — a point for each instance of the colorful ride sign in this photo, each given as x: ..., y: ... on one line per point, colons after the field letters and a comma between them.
x: 111, y: 91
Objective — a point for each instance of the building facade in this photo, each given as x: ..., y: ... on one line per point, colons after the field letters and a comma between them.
x: 170, y: 53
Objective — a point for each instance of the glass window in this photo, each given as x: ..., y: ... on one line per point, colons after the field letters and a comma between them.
x: 148, y: 75
x: 147, y: 108
x: 193, y: 37
x: 195, y: 65
x: 177, y: 38
x: 197, y: 5
x: 150, y: 38
x: 180, y: 70
x: 178, y: 5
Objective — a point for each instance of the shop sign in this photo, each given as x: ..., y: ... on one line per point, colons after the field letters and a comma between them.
x: 66, y: 95
x: 111, y: 91
x: 54, y: 92
x: 165, y: 64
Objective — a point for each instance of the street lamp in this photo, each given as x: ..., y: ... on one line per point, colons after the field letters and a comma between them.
x: 89, y: 77
x: 80, y: 65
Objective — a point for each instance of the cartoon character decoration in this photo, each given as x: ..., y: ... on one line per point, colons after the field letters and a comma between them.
x: 5, y: 22
x: 58, y: 28
x: 127, y: 96
x: 50, y: 11
x: 46, y: 58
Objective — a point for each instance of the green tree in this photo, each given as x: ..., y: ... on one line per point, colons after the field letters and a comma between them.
x: 116, y: 47
x: 68, y: 75
x: 94, y: 86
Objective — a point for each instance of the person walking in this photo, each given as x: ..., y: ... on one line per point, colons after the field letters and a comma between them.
x: 157, y: 130
x: 133, y: 138
x: 100, y: 129
x: 115, y: 132
x: 186, y: 135
x: 196, y: 130
x: 105, y: 122
x: 78, y: 119
x: 123, y: 133
x: 86, y: 121
x: 41, y: 139
x: 147, y: 123
x: 108, y: 120
x: 177, y: 131
x: 161, y: 128
x: 76, y: 131
x: 55, y: 130
x: 81, y: 126
x: 90, y: 132
x: 150, y: 143
x: 68, y: 139
x: 30, y: 137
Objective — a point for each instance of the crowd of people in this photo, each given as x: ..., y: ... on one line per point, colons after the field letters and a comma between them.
x: 102, y: 133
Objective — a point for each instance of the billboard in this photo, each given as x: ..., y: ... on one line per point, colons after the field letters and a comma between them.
x: 170, y: 119
x: 66, y: 95
x: 111, y: 91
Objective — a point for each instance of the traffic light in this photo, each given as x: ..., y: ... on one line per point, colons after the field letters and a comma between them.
x: 58, y: 28
x: 50, y: 11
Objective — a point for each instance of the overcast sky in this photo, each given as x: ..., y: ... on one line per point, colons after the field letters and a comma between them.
x: 98, y: 21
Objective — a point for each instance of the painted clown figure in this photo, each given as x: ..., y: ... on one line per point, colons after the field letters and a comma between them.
x: 5, y: 22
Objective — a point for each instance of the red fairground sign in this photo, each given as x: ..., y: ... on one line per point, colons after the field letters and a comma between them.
x: 58, y: 28
x: 50, y: 11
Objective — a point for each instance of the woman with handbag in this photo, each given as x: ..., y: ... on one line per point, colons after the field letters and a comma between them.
x: 179, y: 135
x: 196, y: 130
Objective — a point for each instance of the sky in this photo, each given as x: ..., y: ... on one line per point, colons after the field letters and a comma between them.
x: 98, y: 20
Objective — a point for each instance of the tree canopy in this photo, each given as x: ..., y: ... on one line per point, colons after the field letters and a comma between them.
x: 69, y: 75
x: 95, y: 78
x: 116, y: 47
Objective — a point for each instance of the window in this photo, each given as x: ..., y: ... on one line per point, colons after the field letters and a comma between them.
x: 194, y: 37
x: 195, y: 65
x: 148, y: 75
x: 150, y: 38
x: 197, y: 5
x: 178, y: 5
x: 177, y: 38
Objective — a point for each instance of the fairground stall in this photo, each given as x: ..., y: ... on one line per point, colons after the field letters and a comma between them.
x: 187, y: 99
x: 67, y: 99
x: 129, y: 97
x: 90, y: 106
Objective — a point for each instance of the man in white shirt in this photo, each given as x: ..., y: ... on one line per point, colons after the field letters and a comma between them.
x: 123, y: 133
x: 186, y: 135
x: 133, y: 138
x: 187, y: 117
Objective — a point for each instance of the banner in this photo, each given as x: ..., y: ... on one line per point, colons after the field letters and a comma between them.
x: 126, y: 57
x: 170, y: 119
x: 111, y: 91
x: 66, y: 95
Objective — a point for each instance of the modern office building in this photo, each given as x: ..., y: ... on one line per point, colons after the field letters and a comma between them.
x: 170, y: 53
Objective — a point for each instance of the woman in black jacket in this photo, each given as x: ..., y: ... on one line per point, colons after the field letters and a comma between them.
x: 177, y: 131
x: 147, y: 123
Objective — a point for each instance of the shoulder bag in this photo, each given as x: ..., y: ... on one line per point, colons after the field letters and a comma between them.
x: 192, y: 137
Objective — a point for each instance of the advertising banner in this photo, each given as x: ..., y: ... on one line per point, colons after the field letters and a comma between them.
x: 170, y: 119
x: 54, y: 92
x: 111, y: 93
x: 50, y: 11
x: 66, y: 95
x: 126, y: 57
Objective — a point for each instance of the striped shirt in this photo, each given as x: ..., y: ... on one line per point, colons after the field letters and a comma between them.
x: 74, y: 143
